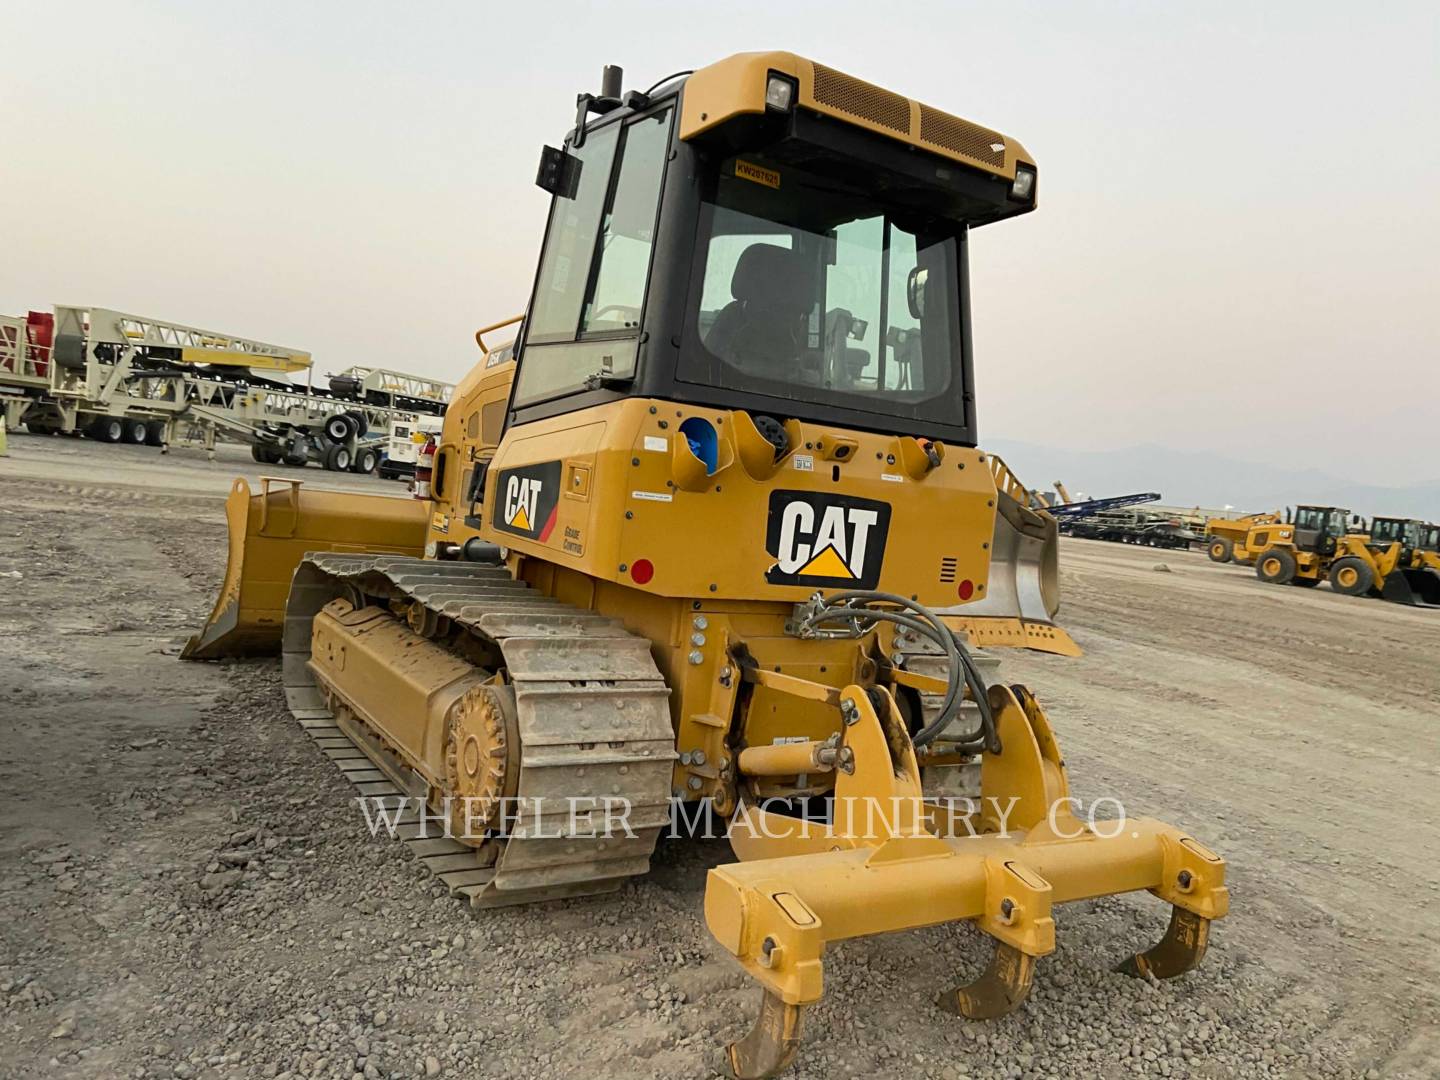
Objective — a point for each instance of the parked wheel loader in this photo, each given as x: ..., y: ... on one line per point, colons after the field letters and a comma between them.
x: 714, y: 529
x: 1398, y: 560
x: 1300, y: 551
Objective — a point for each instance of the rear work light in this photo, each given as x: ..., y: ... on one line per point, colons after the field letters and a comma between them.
x: 779, y: 93
x: 1023, y: 189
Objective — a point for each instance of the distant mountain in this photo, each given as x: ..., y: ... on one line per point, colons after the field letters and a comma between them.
x: 1201, y: 478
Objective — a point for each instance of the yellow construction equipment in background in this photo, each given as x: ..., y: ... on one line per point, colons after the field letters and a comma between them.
x: 1300, y: 551
x: 714, y: 530
x: 1225, y: 538
x: 1398, y: 559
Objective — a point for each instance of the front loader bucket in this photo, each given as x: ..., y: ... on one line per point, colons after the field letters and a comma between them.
x: 1416, y: 586
x: 270, y: 533
x: 1023, y: 593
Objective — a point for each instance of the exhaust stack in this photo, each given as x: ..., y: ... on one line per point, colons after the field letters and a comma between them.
x: 611, y: 80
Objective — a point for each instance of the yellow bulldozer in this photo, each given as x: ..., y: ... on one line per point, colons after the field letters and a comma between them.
x: 1397, y: 559
x: 714, y: 530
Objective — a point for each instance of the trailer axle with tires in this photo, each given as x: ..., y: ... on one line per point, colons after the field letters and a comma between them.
x: 115, y: 377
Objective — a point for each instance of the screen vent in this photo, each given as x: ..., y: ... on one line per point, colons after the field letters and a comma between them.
x: 961, y: 136
x: 850, y: 95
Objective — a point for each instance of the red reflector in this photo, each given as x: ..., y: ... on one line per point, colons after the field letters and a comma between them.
x: 966, y: 589
x: 641, y: 571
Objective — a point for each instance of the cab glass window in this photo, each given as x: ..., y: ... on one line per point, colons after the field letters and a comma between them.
x: 812, y: 291
x: 565, y: 265
x: 628, y: 231
x: 584, y: 322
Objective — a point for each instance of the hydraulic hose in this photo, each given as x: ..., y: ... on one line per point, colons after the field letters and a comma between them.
x: 858, y: 608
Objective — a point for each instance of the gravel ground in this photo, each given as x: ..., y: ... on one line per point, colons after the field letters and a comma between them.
x: 187, y: 891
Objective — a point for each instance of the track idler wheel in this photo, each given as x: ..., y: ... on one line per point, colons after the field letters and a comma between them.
x: 1182, y: 948
x: 772, y: 1043
x: 481, y: 742
x: 1002, y: 989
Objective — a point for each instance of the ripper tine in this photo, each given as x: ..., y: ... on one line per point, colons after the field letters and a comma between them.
x: 1182, y: 948
x: 772, y: 1043
x: 1002, y: 988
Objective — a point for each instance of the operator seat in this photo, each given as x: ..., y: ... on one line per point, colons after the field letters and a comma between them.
x: 761, y: 331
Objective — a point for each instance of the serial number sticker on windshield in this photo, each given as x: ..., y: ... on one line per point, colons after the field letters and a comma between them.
x: 804, y: 462
x: 746, y: 170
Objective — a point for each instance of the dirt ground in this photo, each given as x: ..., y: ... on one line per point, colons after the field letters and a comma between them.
x: 187, y: 891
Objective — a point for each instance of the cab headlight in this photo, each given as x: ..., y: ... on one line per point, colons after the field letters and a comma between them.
x: 1023, y: 189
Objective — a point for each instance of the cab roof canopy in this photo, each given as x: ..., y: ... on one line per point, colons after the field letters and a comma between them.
x: 725, y: 103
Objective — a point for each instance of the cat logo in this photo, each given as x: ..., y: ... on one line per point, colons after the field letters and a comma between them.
x: 521, y: 495
x: 528, y: 499
x: 819, y: 539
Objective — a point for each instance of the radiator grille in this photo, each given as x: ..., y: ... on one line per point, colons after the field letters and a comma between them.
x: 961, y: 136
x: 947, y: 570
x: 849, y: 95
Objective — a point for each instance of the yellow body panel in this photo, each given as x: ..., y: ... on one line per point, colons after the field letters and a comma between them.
x: 735, y: 86
x: 625, y: 492
x: 621, y: 487
x: 1259, y: 537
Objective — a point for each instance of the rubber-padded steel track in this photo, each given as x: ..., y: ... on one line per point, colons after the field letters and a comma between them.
x: 592, y: 713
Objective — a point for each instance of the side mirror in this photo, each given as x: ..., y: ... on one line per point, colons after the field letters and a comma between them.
x: 559, y: 172
x: 915, y: 291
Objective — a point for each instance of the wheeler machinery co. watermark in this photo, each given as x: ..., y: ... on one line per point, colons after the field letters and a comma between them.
x: 459, y: 818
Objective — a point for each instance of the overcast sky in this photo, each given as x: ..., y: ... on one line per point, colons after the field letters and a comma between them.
x: 1236, y: 245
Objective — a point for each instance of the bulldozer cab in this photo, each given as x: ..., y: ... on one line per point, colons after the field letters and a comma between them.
x: 711, y: 247
x: 1427, y: 537
x: 1319, y: 528
x: 744, y: 277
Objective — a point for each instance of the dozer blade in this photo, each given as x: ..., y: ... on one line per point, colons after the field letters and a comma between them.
x: 1023, y: 593
x: 1418, y: 587
x: 270, y: 533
